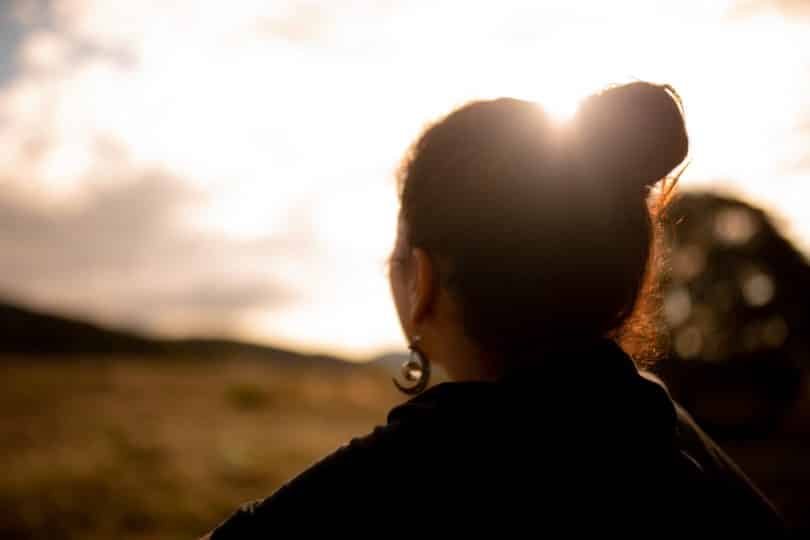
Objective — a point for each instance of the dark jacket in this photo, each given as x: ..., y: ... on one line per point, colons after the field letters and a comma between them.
x: 581, y: 444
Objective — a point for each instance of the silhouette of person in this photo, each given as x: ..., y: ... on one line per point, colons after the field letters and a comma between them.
x: 525, y: 264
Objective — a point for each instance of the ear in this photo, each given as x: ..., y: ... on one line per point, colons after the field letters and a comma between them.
x: 424, y: 289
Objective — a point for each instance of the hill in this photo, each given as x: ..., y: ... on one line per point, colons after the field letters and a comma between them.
x: 29, y: 332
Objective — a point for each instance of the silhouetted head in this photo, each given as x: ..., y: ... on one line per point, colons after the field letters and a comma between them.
x: 519, y: 232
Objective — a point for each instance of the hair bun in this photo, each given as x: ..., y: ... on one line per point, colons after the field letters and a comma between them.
x: 633, y: 132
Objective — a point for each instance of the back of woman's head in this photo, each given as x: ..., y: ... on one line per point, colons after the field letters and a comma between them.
x: 543, y: 232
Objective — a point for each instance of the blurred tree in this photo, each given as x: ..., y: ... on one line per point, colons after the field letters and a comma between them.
x: 735, y: 298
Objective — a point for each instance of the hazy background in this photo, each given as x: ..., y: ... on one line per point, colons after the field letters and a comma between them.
x: 197, y: 166
x: 199, y: 175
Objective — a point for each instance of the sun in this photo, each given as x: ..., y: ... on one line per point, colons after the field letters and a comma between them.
x: 560, y: 108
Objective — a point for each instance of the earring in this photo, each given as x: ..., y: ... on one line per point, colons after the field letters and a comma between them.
x: 415, y: 370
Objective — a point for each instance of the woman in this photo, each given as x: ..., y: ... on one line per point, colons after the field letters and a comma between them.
x: 524, y: 263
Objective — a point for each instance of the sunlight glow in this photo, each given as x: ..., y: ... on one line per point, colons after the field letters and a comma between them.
x: 562, y: 110
x: 291, y: 119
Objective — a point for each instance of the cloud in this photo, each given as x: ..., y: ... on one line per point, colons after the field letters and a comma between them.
x: 800, y: 162
x: 788, y: 8
x: 288, y: 117
x: 125, y: 255
x: 202, y: 183
x: 111, y: 232
x: 11, y: 34
x: 226, y: 297
x: 307, y: 24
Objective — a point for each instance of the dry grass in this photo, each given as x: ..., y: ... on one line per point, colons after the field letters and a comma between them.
x: 141, y: 449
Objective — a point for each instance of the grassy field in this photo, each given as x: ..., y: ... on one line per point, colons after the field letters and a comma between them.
x: 141, y: 449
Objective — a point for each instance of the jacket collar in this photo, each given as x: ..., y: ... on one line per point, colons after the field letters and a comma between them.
x: 595, y: 378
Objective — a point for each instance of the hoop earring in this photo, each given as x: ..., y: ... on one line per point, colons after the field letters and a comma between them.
x: 415, y: 370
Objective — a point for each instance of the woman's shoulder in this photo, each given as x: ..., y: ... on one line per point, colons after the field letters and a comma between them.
x: 733, y: 492
x: 709, y: 482
x: 374, y: 472
x: 356, y: 475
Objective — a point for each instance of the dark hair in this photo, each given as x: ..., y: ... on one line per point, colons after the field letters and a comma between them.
x: 542, y: 231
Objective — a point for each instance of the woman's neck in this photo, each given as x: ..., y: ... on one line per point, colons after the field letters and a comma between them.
x: 461, y: 358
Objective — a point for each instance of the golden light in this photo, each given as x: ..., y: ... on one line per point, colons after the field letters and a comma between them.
x: 318, y: 114
x: 561, y: 110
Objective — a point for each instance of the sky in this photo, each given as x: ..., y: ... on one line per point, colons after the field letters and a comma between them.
x: 203, y: 167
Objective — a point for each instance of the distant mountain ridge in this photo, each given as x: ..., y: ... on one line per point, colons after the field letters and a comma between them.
x: 29, y: 332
